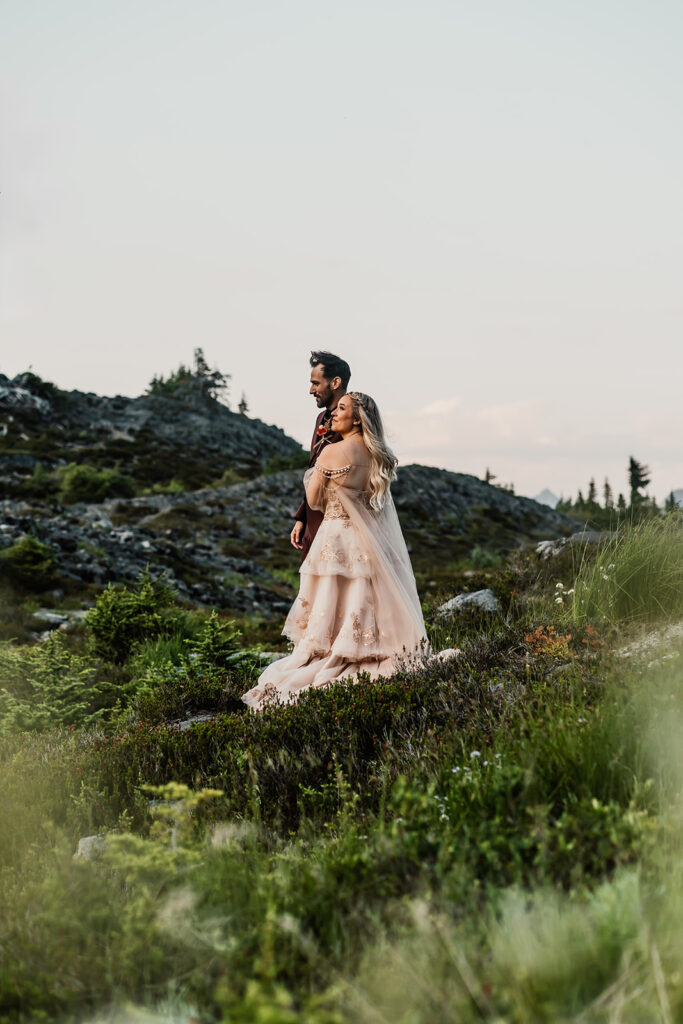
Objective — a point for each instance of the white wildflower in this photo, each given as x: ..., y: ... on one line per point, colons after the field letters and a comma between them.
x: 475, y: 753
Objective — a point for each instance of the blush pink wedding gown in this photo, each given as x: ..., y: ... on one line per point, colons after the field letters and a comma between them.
x: 358, y: 609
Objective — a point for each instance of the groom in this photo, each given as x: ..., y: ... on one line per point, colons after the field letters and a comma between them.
x: 329, y: 381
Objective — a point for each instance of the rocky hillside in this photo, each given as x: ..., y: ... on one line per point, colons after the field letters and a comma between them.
x: 229, y: 546
x: 188, y: 438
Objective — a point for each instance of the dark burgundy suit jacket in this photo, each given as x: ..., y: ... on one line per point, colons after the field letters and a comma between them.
x: 311, y: 517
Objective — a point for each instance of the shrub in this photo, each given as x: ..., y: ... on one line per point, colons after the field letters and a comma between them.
x: 278, y: 462
x: 85, y: 483
x: 29, y: 564
x: 123, y: 617
x: 201, y: 678
x: 41, y: 483
x: 483, y: 558
x: 47, y: 686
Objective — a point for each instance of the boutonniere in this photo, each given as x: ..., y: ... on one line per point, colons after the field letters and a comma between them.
x: 322, y: 430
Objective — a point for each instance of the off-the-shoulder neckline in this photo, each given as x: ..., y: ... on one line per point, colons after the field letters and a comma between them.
x: 334, y: 472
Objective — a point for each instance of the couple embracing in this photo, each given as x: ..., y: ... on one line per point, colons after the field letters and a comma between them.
x: 357, y: 610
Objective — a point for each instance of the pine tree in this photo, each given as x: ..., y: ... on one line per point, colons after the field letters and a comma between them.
x: 243, y: 407
x: 579, y: 500
x: 607, y: 494
x: 489, y: 476
x: 638, y: 478
x: 621, y: 504
x: 211, y: 383
x: 592, y: 492
x: 670, y: 505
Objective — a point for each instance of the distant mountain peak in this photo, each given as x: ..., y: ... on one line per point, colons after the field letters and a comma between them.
x: 546, y: 497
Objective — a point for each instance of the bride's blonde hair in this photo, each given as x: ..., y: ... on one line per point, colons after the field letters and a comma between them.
x: 383, y: 462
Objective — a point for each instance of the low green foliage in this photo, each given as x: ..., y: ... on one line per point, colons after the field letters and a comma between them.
x: 277, y: 463
x: 483, y: 558
x: 29, y: 564
x: 47, y: 686
x: 209, y: 674
x: 126, y: 616
x: 82, y: 482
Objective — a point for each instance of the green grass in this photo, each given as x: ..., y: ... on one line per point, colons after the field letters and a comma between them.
x: 636, y: 577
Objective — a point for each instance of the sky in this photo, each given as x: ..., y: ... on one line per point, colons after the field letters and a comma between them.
x: 477, y: 204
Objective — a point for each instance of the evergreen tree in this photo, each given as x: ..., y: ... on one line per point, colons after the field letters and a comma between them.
x: 670, y: 505
x: 621, y: 504
x: 212, y: 383
x: 592, y: 492
x: 638, y: 478
x: 200, y: 380
x: 607, y: 494
x: 579, y: 503
x: 243, y: 407
x: 489, y: 476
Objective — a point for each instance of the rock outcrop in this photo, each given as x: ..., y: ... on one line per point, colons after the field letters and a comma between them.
x: 153, y: 439
x: 229, y: 546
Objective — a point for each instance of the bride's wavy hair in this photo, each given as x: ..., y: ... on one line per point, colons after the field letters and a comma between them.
x: 383, y: 462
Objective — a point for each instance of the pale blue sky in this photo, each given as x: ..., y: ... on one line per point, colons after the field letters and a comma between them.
x: 477, y: 204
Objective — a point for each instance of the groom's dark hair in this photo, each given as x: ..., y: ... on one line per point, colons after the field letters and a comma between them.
x: 332, y: 366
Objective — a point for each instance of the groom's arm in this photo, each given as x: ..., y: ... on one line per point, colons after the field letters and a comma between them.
x: 299, y: 527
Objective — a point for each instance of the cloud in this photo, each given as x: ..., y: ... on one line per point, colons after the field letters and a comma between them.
x: 535, y: 443
x: 441, y: 407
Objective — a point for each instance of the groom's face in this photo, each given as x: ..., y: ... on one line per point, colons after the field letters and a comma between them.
x: 321, y: 388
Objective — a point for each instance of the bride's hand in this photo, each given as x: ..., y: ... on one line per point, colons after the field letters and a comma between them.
x: 296, y: 535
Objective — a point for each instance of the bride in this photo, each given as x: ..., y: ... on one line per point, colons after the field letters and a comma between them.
x: 357, y: 608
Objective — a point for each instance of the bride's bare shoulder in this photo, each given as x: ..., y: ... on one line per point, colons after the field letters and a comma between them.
x: 348, y: 452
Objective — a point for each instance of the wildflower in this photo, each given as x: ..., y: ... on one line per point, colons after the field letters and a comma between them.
x: 559, y: 600
x: 475, y: 753
x: 570, y: 591
x: 611, y: 565
x: 454, y: 770
x: 559, y: 586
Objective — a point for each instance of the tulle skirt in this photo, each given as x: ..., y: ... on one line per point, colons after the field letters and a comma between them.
x: 333, y: 621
